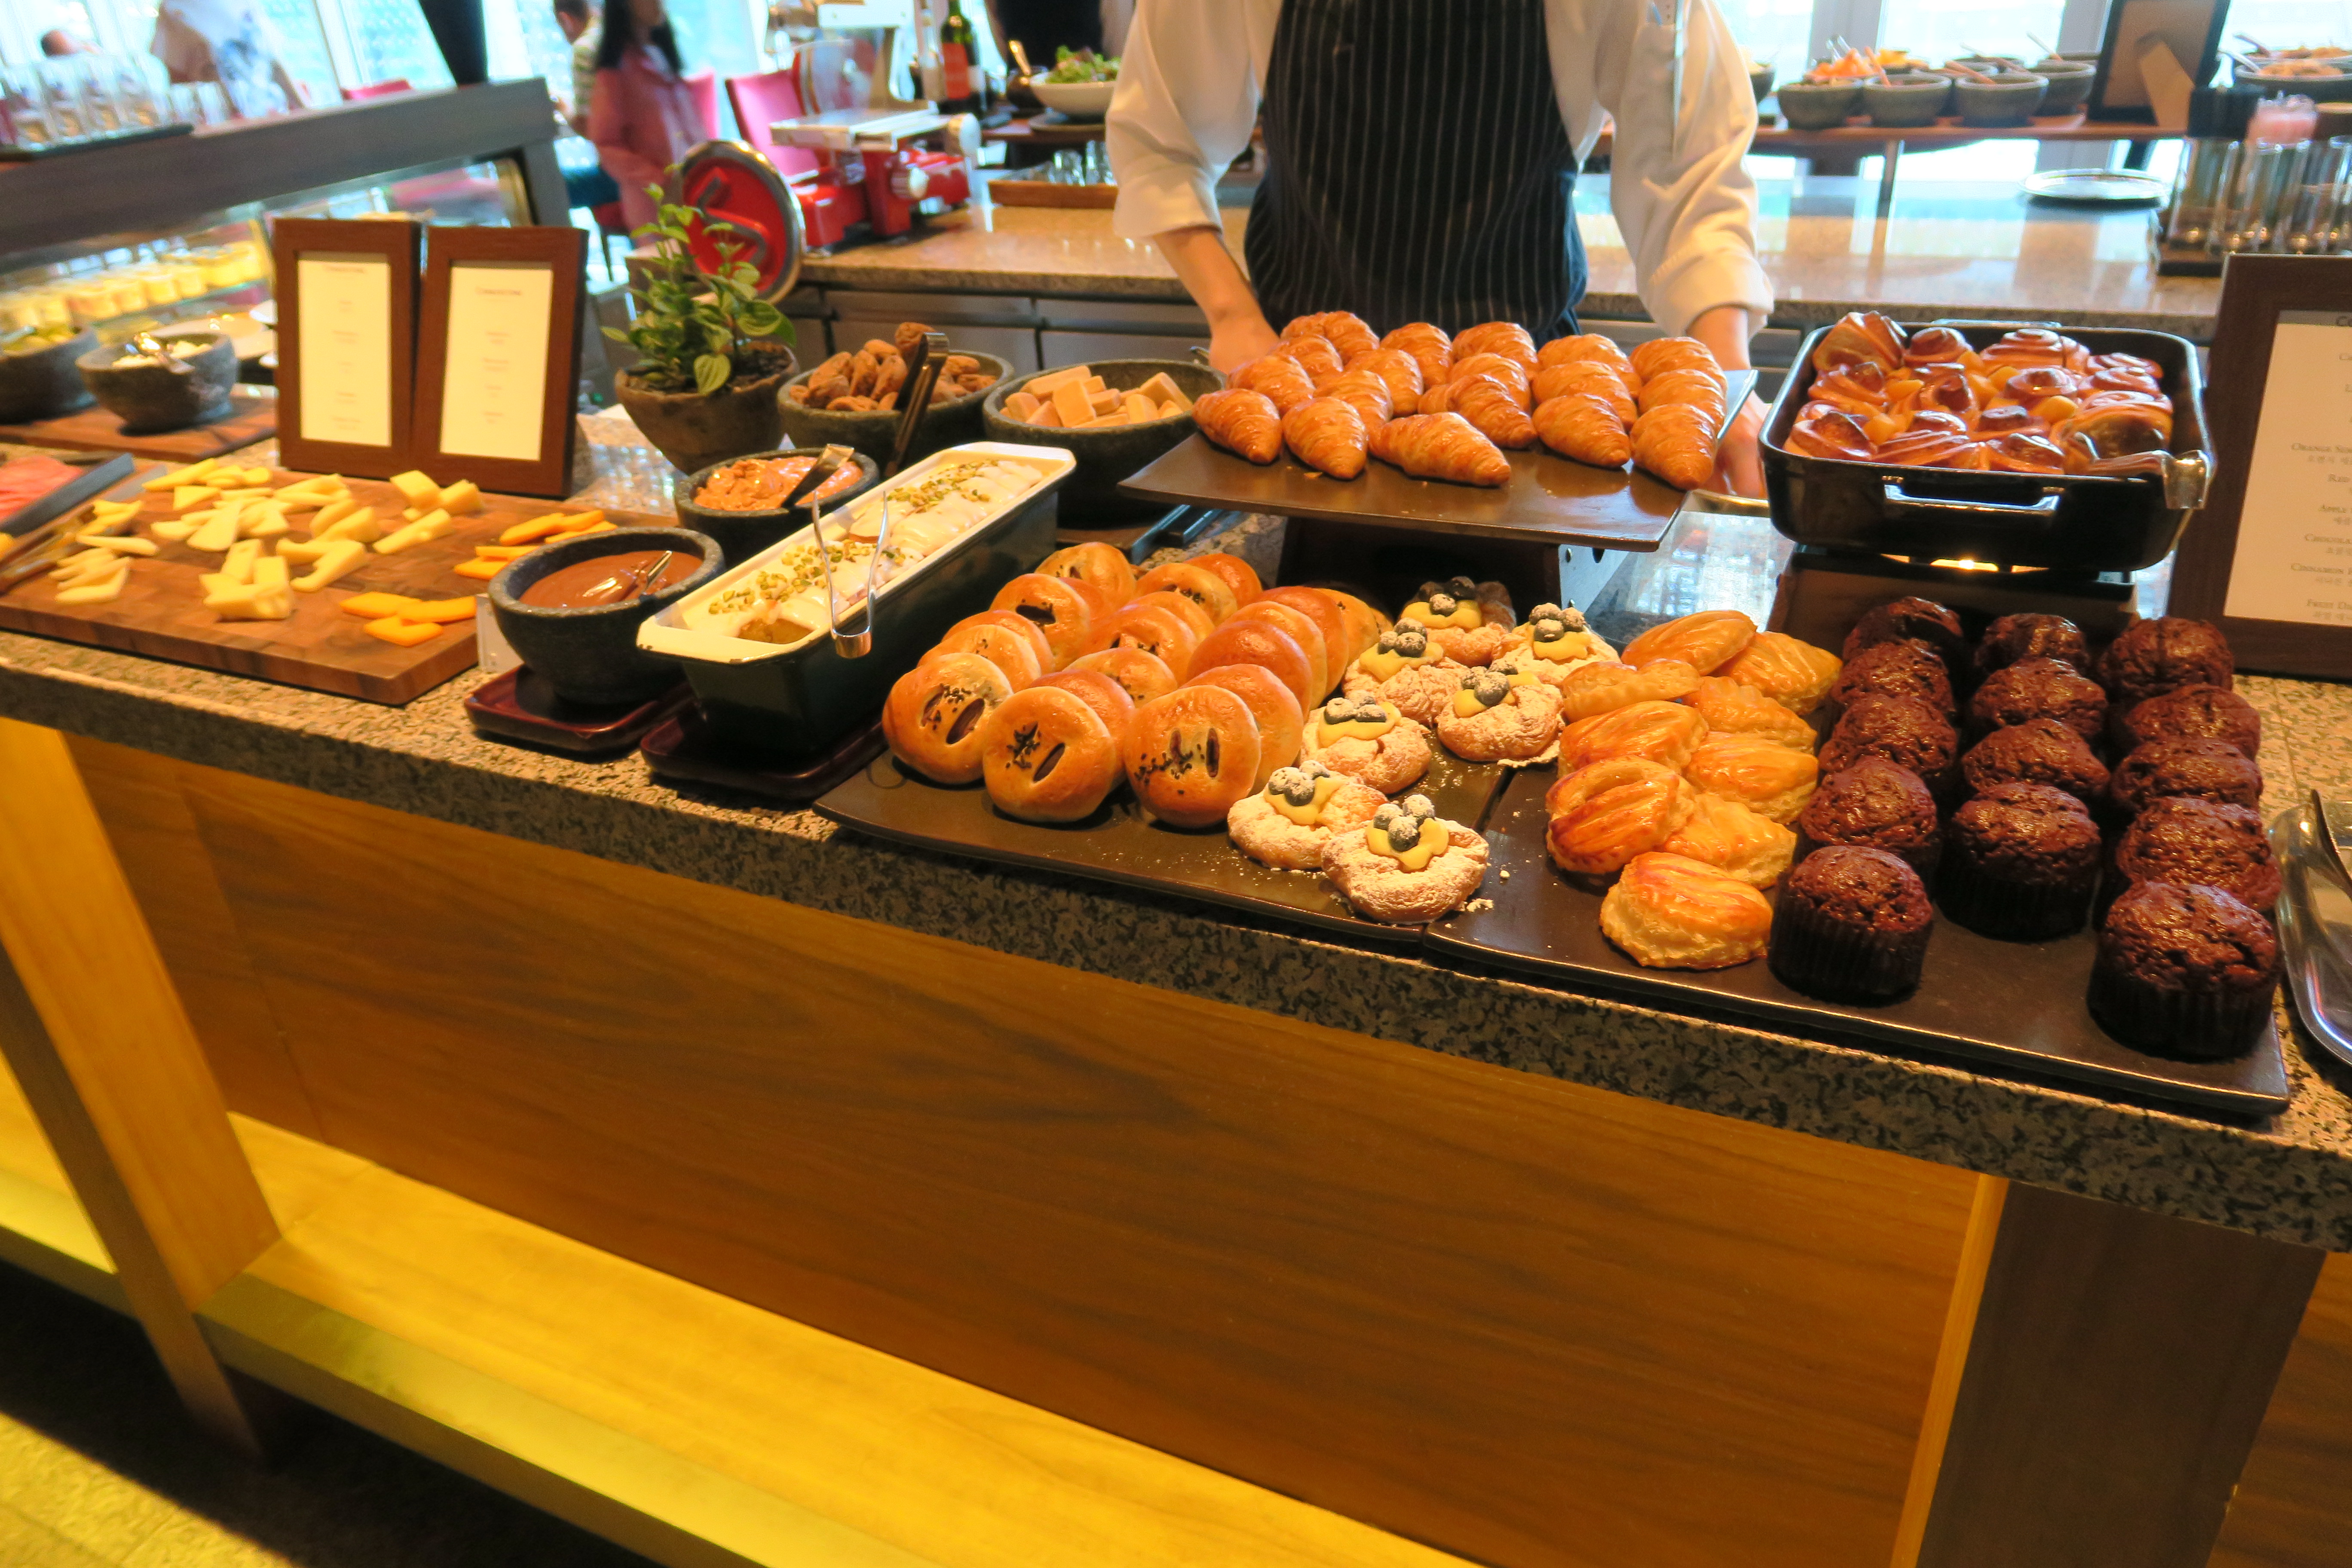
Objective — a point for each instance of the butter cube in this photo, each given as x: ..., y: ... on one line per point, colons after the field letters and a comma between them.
x: 1140, y: 410
x: 1162, y: 389
x: 1053, y: 381
x: 1071, y: 402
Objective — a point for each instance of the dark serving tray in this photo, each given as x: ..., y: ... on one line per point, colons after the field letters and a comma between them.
x: 1118, y: 843
x: 2014, y: 1005
x: 1549, y: 497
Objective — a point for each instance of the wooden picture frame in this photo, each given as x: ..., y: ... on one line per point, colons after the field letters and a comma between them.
x: 513, y: 435
x: 310, y: 432
x: 2188, y: 26
x: 2256, y: 292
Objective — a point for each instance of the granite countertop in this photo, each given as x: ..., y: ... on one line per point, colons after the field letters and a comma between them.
x: 1947, y: 251
x: 2288, y: 1177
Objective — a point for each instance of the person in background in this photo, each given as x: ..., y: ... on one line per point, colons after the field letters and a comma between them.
x: 643, y: 116
x: 231, y: 42
x: 57, y: 43
x: 578, y: 20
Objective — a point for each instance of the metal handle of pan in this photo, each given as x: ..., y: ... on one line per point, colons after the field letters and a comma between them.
x: 1900, y: 503
x: 2187, y: 476
x: 2004, y: 326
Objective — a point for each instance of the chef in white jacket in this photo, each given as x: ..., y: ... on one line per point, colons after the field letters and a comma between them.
x: 1422, y: 158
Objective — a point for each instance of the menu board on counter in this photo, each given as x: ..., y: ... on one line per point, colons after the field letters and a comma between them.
x: 346, y: 343
x: 499, y: 356
x: 2271, y: 555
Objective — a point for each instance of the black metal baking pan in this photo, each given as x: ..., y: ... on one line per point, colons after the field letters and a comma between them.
x: 2014, y: 1006
x: 2073, y: 522
x: 1119, y: 844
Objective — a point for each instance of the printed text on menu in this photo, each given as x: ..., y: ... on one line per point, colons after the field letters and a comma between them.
x: 2294, y: 560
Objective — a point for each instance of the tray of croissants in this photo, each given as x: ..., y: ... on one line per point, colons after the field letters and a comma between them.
x: 1989, y: 838
x: 2011, y: 445
x: 1295, y: 751
x: 1487, y: 427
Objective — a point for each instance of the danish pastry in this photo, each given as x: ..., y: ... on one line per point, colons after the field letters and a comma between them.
x: 1735, y: 840
x: 1154, y: 630
x: 1238, y: 574
x: 1369, y: 740
x: 1706, y: 641
x: 1408, y: 671
x: 1557, y: 643
x: 1507, y: 339
x: 1256, y: 642
x: 1111, y: 701
x: 1583, y: 427
x: 1242, y: 421
x: 1047, y: 756
x: 1731, y: 708
x: 1327, y: 434
x: 1095, y: 562
x: 1197, y: 583
x: 1491, y: 719
x: 1408, y: 866
x: 1430, y: 349
x: 1281, y: 379
x: 1604, y: 814
x: 1593, y: 689
x: 1664, y: 732
x: 1670, y: 911
x: 1141, y: 675
x: 1468, y: 624
x: 1017, y: 646
x: 1403, y: 646
x: 1275, y: 709
x: 1792, y: 673
x: 1300, y: 629
x: 1585, y: 378
x: 933, y: 718
x: 1286, y: 823
x: 1774, y: 780
x: 1054, y: 606
x: 1191, y: 755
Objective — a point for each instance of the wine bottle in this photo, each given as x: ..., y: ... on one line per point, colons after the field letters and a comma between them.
x: 965, y: 86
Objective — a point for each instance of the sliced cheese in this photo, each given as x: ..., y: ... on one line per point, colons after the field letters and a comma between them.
x: 431, y: 526
x: 218, y: 534
x: 478, y: 569
x: 416, y: 489
x: 117, y: 544
x: 554, y: 522
x: 446, y: 612
x: 96, y: 592
x: 302, y: 552
x: 242, y: 557
x: 251, y: 602
x: 257, y: 476
x: 360, y: 526
x: 462, y: 500
x: 403, y: 634
x: 333, y: 512
x: 171, y: 533
x: 178, y: 477
x: 337, y: 559
x: 271, y: 572
x: 375, y: 606
x: 188, y: 496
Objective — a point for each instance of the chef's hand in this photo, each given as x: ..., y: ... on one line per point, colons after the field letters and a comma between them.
x: 1234, y: 342
x: 1738, y: 469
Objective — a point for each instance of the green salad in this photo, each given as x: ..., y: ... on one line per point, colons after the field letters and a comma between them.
x: 1071, y: 66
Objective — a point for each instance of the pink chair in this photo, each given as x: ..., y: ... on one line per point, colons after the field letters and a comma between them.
x: 759, y: 102
x: 704, y: 86
x: 376, y: 89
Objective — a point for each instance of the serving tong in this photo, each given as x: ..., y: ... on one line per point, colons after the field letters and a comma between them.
x: 2315, y: 917
x: 853, y: 635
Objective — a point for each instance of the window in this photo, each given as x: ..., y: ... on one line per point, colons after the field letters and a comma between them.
x: 1939, y: 30
x: 2291, y: 24
x: 1776, y: 32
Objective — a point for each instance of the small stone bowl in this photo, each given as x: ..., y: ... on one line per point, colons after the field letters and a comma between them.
x: 2010, y: 98
x: 744, y: 534
x: 590, y: 655
x: 1906, y: 101
x: 949, y: 423
x: 153, y: 398
x: 43, y: 382
x: 2070, y: 83
x: 1819, y: 106
x: 1761, y: 78
x: 1115, y: 452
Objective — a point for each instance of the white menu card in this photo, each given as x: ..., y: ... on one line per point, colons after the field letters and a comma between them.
x: 2293, y: 559
x: 494, y: 383
x: 346, y: 348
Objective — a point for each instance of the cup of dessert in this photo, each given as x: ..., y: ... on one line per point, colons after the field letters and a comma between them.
x: 571, y: 609
x: 149, y: 394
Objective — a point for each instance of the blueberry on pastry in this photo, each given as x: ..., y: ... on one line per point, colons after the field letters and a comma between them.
x: 1670, y: 911
x: 1407, y: 670
x: 1558, y: 641
x: 1494, y: 717
x: 1408, y: 866
x: 1469, y: 624
x: 1286, y: 823
x: 1368, y: 741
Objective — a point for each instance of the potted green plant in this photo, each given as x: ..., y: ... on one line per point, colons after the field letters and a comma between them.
x: 712, y: 357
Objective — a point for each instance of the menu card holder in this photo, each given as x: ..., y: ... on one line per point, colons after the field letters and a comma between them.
x: 346, y: 343
x: 497, y: 358
x: 2270, y: 558
x: 2153, y: 52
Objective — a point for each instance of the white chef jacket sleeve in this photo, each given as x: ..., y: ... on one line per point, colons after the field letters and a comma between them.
x: 1677, y: 184
x: 1186, y: 103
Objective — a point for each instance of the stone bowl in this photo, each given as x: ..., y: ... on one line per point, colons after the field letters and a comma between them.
x: 43, y: 382
x: 2012, y: 97
x: 590, y: 655
x: 2070, y: 83
x: 948, y: 424
x: 1903, y: 102
x: 1761, y: 77
x: 744, y: 534
x: 1106, y: 457
x: 150, y: 397
x: 1819, y: 106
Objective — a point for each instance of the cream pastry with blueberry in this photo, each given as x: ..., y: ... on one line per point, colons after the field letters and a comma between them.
x: 1370, y: 741
x: 1555, y: 641
x: 1407, y: 669
x: 1472, y: 621
x: 1286, y: 823
x: 1408, y: 865
x: 1504, y: 712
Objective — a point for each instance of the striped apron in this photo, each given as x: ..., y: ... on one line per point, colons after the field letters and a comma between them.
x: 1417, y: 169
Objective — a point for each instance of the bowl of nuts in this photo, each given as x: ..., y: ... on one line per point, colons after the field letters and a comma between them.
x: 854, y: 398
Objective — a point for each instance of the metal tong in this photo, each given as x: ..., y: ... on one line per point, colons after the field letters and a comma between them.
x: 2315, y: 925
x: 849, y: 645
x: 856, y: 638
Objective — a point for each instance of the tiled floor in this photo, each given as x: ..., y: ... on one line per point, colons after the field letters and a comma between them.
x: 99, y: 1467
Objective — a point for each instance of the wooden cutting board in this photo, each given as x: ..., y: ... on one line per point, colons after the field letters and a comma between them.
x: 252, y: 416
x: 161, y: 610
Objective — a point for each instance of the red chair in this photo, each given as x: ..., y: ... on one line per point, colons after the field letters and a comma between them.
x: 377, y: 90
x: 704, y: 86
x: 759, y: 102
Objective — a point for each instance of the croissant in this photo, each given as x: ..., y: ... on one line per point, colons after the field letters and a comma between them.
x: 1859, y: 335
x: 1677, y: 442
x: 1587, y: 378
x: 1438, y: 399
x: 1506, y: 338
x: 1282, y: 379
x: 1495, y: 409
x: 1589, y: 348
x: 1441, y: 446
x: 1366, y: 390
x: 1398, y: 368
x: 1834, y: 434
x: 1327, y: 433
x: 1510, y: 373
x: 1314, y: 355
x: 1346, y: 332
x: 1698, y: 388
x: 1241, y: 422
x: 1660, y: 355
x: 1307, y: 326
x: 1430, y: 347
x: 1582, y: 427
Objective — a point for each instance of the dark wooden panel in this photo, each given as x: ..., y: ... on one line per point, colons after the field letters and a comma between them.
x: 1529, y: 1322
x: 2294, y: 1509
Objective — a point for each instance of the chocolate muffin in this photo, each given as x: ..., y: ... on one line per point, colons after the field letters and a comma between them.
x: 2040, y: 751
x: 2187, y: 840
x: 2013, y: 637
x: 2152, y: 657
x: 1875, y: 805
x: 2184, y: 971
x: 2037, y: 687
x: 1905, y: 731
x: 1851, y: 924
x: 2184, y: 765
x: 1924, y: 619
x: 2211, y: 711
x: 1906, y: 668
x: 2020, y: 862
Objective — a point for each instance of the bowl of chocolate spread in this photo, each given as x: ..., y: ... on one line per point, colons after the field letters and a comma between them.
x: 571, y: 609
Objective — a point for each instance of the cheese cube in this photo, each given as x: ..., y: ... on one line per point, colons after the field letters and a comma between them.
x: 462, y: 500
x: 1045, y: 386
x: 1140, y: 410
x: 1093, y: 384
x: 1048, y: 417
x: 338, y: 559
x: 1071, y: 402
x: 418, y: 490
x: 1162, y: 388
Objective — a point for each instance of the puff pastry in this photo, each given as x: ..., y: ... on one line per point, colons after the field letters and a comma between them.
x: 1506, y: 338
x: 1664, y: 732
x: 1774, y: 780
x: 1510, y: 373
x: 1381, y: 884
x: 1735, y: 840
x: 1327, y: 434
x: 1398, y: 368
x: 1658, y: 356
x: 1314, y: 355
x: 1492, y: 407
x: 1730, y: 708
x: 1241, y: 421
x: 1584, y: 428
x: 1670, y: 911
x: 1557, y: 643
x: 1795, y: 674
x: 1366, y: 390
x: 1604, y: 688
x: 1430, y: 347
x: 1859, y: 337
x: 1280, y: 377
x: 1606, y: 812
x: 1706, y: 641
x: 1590, y: 378
x: 1677, y: 442
x: 1590, y: 348
x: 1440, y: 446
x: 1319, y: 803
